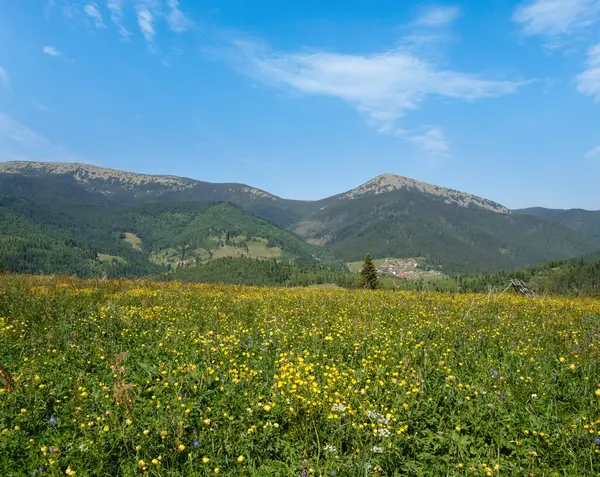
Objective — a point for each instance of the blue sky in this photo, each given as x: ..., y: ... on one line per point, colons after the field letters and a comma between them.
x: 500, y: 98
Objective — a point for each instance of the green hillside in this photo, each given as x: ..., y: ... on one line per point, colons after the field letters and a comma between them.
x: 247, y: 271
x: 585, y: 221
x: 405, y: 223
x: 118, y: 187
x: 569, y: 277
x: 88, y: 220
x: 203, y: 229
x: 53, y: 225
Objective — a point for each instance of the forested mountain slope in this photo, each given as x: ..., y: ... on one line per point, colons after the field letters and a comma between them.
x: 84, y: 219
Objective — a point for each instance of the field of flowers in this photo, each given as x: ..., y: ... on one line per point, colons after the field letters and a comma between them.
x: 140, y: 378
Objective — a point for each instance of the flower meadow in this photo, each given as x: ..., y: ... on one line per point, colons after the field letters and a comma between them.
x: 129, y: 378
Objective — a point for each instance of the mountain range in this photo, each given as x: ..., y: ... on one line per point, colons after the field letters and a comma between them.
x: 89, y: 220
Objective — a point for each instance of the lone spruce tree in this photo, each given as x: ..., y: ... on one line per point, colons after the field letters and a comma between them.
x: 368, y: 274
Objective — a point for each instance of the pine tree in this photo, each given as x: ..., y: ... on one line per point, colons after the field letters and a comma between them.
x: 368, y: 274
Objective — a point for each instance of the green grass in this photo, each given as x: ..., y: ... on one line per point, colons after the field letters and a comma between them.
x: 257, y: 248
x: 326, y: 286
x: 109, y: 258
x: 107, y: 378
x: 133, y: 240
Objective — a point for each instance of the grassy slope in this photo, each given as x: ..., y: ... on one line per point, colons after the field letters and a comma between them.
x: 293, y: 380
x: 133, y: 240
x: 401, y: 223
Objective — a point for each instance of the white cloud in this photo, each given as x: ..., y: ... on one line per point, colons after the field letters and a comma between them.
x: 145, y: 20
x: 70, y: 10
x: 148, y: 13
x: 438, y: 16
x: 92, y: 11
x: 40, y: 106
x: 432, y: 141
x: 382, y: 86
x: 177, y: 20
x: 4, y: 79
x: 559, y: 20
x: 115, y: 7
x: 13, y: 131
x: 592, y: 154
x: 52, y: 51
x: 588, y: 82
x: 556, y: 18
x: 18, y: 142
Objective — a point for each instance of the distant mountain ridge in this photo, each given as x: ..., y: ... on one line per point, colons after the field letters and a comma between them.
x: 104, y: 180
x: 390, y: 182
x: 120, y: 187
x: 91, y: 175
x: 85, y: 173
x: 586, y: 221
x: 176, y: 217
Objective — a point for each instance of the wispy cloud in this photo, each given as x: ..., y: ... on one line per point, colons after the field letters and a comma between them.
x: 115, y: 7
x: 148, y: 13
x: 40, y: 106
x: 588, y: 82
x: 592, y: 154
x: 70, y: 9
x: 13, y: 131
x: 17, y: 141
x: 435, y: 16
x: 177, y: 20
x: 556, y: 19
x: 48, y: 7
x: 382, y: 86
x: 4, y: 79
x: 52, y: 51
x: 91, y: 10
x: 562, y: 22
x: 145, y: 22
x: 432, y: 141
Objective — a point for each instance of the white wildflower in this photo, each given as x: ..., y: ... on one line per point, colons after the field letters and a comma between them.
x: 339, y: 407
x: 330, y: 449
x: 383, y: 432
x: 534, y: 396
x: 380, y: 418
x: 377, y: 450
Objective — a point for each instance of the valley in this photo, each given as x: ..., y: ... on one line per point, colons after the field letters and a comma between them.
x: 299, y: 239
x: 92, y: 221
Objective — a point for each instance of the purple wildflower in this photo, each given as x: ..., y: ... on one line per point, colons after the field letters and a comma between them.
x: 196, y: 443
x: 495, y: 373
x: 53, y: 421
x: 597, y: 441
